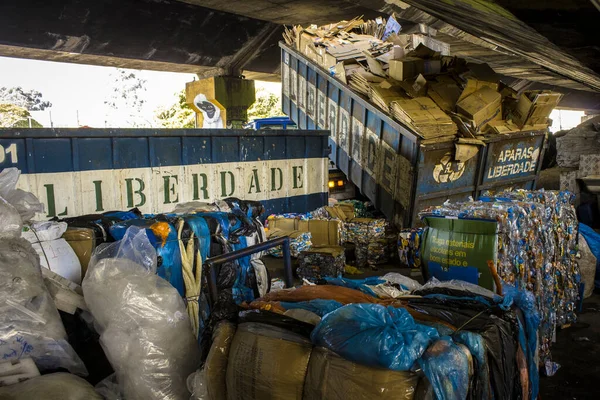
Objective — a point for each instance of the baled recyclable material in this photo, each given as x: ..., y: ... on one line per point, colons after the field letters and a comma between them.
x: 143, y: 325
x: 536, y: 249
x: 299, y: 242
x: 319, y: 262
x: 330, y: 377
x: 210, y: 383
x: 267, y: 362
x: 30, y: 325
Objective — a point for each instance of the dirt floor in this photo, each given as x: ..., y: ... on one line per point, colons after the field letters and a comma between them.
x: 577, y: 348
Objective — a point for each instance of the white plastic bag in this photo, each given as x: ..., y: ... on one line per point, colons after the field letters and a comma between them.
x: 145, y: 331
x: 30, y: 325
x: 10, y: 220
x: 24, y: 202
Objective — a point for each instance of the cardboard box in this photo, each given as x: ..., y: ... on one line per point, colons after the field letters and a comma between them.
x: 502, y: 127
x: 324, y: 232
x: 406, y: 69
x: 482, y: 107
x: 432, y: 67
x: 445, y: 95
x: 534, y: 107
x: 474, y: 85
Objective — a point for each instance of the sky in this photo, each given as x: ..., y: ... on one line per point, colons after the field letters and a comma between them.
x: 77, y: 92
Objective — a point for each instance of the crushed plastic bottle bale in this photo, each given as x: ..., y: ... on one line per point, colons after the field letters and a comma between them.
x: 409, y: 242
x: 299, y: 242
x: 320, y: 262
x: 536, y: 249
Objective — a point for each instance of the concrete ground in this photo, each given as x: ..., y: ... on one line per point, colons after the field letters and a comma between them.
x: 577, y: 348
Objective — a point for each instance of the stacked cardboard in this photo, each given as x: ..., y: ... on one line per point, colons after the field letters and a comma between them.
x: 424, y: 117
x: 409, y: 74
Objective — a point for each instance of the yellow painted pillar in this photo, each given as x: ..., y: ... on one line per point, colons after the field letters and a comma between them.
x: 220, y: 101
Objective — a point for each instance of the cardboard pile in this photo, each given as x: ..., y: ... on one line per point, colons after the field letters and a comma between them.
x: 409, y: 74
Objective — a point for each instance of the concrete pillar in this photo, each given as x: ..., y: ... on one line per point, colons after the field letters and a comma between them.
x: 220, y: 101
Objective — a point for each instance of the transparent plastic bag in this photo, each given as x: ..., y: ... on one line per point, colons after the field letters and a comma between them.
x: 145, y: 331
x: 404, y: 282
x: 11, y: 225
x: 210, y: 382
x: 24, y: 202
x: 447, y: 366
x: 30, y: 325
x: 59, y: 386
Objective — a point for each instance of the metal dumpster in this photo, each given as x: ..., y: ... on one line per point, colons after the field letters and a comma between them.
x: 83, y: 171
x: 386, y: 160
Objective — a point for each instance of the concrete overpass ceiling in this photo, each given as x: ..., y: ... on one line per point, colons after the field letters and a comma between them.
x: 163, y: 35
x: 548, y: 41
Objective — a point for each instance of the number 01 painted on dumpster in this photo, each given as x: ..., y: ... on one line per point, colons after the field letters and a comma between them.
x: 9, y: 154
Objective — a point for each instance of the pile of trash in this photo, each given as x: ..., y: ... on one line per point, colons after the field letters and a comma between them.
x: 386, y: 337
x: 537, y: 248
x: 411, y: 76
x: 319, y: 238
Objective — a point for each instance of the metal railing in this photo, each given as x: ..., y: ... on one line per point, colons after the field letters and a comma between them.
x: 214, y: 261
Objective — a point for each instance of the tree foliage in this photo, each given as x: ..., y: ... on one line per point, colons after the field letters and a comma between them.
x: 30, y: 100
x: 126, y: 98
x: 266, y: 105
x: 179, y: 115
x: 13, y: 116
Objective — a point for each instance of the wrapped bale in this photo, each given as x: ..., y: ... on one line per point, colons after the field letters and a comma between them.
x: 331, y: 377
x: 210, y: 383
x: 320, y: 262
x: 362, y: 232
x: 58, y: 386
x: 299, y: 242
x: 267, y: 362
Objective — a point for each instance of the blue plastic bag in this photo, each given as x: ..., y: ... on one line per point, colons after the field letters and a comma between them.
x: 476, y: 346
x: 446, y: 366
x: 169, y: 267
x: 374, y: 335
x: 593, y: 240
x: 528, y: 336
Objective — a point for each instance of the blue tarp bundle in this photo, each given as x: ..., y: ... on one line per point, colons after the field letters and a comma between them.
x: 374, y: 335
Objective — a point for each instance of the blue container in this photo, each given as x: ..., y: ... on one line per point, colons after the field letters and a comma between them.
x: 387, y: 160
x: 86, y: 171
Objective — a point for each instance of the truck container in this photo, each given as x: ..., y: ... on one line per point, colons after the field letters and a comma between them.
x: 86, y: 171
x: 386, y: 160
